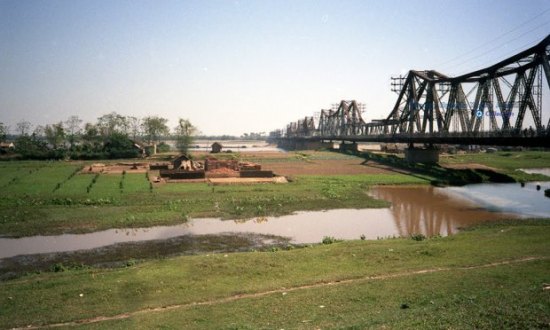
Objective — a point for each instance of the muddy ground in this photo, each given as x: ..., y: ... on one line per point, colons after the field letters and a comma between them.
x: 327, y: 167
x: 129, y: 253
x: 117, y: 168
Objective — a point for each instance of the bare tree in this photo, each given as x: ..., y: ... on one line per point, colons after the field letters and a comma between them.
x: 73, y: 129
x: 23, y: 127
x: 135, y: 126
x: 112, y: 123
x: 39, y: 131
x: 4, y: 131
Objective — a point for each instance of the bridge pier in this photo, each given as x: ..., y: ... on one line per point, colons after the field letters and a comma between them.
x: 349, y: 146
x: 421, y: 155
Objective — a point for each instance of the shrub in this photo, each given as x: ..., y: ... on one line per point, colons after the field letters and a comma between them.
x: 163, y: 147
x: 59, y: 267
x: 418, y: 237
x: 329, y: 240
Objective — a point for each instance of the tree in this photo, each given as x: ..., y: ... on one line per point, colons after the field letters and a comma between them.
x: 3, y: 132
x: 91, y: 136
x: 30, y: 147
x: 23, y: 127
x: 112, y: 123
x: 254, y: 136
x: 39, y: 131
x: 154, y: 127
x: 55, y: 134
x: 134, y: 124
x: 118, y: 145
x: 73, y: 129
x: 184, y: 135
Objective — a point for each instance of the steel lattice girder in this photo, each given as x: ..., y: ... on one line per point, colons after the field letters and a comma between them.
x: 421, y: 101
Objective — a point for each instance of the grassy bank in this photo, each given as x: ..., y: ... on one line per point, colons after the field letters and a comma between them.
x: 53, y: 197
x: 502, y: 166
x: 507, y: 162
x: 458, y: 281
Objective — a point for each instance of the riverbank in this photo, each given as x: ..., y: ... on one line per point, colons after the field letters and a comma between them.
x: 458, y: 170
x: 130, y: 253
x: 472, y: 279
x: 55, y: 197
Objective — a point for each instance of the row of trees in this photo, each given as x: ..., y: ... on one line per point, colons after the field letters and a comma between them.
x: 111, y: 136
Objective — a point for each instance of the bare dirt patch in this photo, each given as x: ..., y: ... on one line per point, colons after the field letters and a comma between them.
x: 327, y: 167
x: 314, y: 163
x: 117, y: 168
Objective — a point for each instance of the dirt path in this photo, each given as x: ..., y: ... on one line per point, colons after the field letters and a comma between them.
x: 281, y: 290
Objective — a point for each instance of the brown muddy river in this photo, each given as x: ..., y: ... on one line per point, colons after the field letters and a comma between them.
x: 414, y: 210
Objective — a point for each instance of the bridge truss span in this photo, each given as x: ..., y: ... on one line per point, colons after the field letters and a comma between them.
x: 500, y: 104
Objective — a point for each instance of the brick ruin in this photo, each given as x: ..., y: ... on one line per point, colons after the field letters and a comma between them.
x: 184, y: 168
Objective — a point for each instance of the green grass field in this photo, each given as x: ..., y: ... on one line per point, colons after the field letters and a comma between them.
x: 489, y: 277
x: 54, y: 197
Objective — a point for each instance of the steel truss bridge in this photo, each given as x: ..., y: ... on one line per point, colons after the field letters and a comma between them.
x: 485, y: 107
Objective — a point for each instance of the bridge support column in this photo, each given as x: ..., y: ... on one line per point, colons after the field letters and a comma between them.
x: 349, y: 146
x: 418, y: 155
x: 286, y: 144
x: 303, y: 144
x: 315, y: 145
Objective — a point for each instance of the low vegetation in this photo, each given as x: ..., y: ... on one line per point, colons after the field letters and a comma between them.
x: 470, y: 280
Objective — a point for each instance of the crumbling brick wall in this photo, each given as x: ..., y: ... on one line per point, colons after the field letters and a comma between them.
x: 211, y: 164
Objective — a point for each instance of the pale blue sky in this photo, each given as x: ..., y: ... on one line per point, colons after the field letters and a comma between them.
x: 240, y: 66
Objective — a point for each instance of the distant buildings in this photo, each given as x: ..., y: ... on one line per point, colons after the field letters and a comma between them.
x: 6, y: 147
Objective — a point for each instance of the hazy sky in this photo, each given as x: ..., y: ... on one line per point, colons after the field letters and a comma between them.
x: 240, y: 66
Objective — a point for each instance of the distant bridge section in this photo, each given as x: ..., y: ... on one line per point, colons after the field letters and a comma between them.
x: 485, y: 107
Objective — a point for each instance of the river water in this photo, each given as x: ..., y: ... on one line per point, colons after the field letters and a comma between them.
x: 414, y: 210
x: 231, y: 145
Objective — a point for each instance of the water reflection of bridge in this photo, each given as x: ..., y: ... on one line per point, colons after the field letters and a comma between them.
x: 431, y: 211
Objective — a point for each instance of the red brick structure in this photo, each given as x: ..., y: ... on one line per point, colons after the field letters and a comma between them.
x: 211, y: 164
